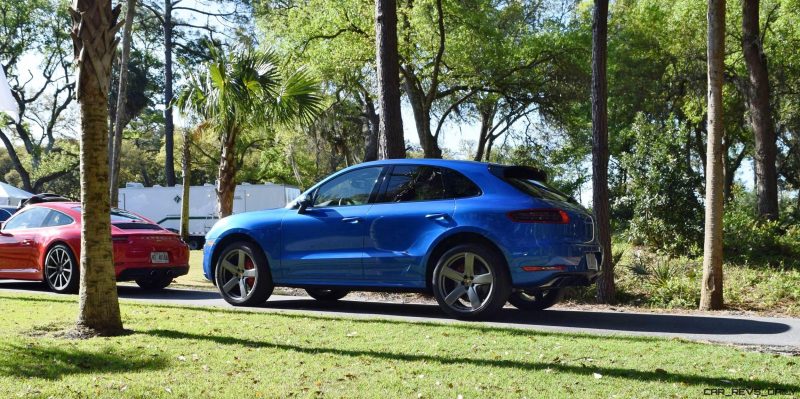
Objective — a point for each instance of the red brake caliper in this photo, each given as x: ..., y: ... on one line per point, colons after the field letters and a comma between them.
x: 248, y: 265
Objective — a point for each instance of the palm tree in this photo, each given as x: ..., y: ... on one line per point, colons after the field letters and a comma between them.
x: 94, y: 27
x: 245, y: 90
x: 711, y: 289
x: 600, y: 202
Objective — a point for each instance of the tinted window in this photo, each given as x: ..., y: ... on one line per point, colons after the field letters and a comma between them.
x: 56, y: 218
x: 119, y: 216
x: 539, y: 189
x: 459, y: 186
x: 4, y: 215
x: 414, y: 183
x: 27, y: 219
x: 352, y: 188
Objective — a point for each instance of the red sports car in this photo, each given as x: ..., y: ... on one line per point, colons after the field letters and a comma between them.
x: 42, y: 242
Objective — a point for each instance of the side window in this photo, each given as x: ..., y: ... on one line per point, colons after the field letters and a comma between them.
x: 459, y: 186
x: 352, y: 188
x: 4, y: 215
x: 414, y: 183
x: 56, y: 218
x: 27, y: 219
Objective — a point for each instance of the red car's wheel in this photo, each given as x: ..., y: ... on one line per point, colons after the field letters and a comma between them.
x: 61, y: 270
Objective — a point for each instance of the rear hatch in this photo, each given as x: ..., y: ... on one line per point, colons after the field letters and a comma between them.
x: 139, y: 242
x: 578, y: 226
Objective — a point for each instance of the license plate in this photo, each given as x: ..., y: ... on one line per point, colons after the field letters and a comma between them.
x: 591, y: 261
x: 159, y: 257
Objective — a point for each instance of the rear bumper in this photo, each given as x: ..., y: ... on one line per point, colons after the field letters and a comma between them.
x: 561, y: 280
x: 143, y: 272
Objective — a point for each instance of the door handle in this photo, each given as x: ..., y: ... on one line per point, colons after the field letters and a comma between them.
x: 27, y: 242
x: 436, y: 216
x: 352, y: 220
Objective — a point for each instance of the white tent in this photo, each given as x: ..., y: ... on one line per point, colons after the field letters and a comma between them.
x: 7, y: 102
x: 10, y: 195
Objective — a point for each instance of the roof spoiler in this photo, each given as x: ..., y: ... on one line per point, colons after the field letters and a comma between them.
x: 44, y: 197
x: 518, y: 172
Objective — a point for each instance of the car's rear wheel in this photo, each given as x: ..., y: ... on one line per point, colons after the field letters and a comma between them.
x: 61, y: 270
x: 242, y: 275
x: 154, y: 283
x: 471, y: 282
x: 535, y: 299
x: 327, y: 294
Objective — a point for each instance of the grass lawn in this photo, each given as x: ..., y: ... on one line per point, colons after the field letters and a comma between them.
x: 195, y: 278
x: 193, y: 353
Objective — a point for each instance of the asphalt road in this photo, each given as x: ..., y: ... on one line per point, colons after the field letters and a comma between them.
x: 740, y: 330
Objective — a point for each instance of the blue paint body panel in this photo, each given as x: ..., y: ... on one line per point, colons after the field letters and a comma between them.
x: 388, y: 245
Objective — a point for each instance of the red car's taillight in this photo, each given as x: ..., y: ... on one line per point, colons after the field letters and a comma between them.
x: 119, y: 239
x: 556, y: 216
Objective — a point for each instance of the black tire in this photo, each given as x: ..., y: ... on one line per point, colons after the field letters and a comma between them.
x: 154, y: 283
x: 327, y: 294
x: 257, y: 287
x: 61, y: 272
x: 534, y: 300
x: 453, y: 283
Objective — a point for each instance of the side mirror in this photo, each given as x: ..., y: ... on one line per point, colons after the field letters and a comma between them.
x: 303, y: 204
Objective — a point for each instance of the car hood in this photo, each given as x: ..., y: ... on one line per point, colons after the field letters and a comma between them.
x: 248, y: 221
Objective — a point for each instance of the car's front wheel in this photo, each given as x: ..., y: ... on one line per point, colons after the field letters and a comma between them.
x: 242, y: 275
x: 327, y: 294
x: 535, y: 299
x: 471, y: 282
x: 61, y: 270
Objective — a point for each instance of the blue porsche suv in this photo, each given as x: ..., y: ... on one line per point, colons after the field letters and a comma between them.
x: 473, y: 234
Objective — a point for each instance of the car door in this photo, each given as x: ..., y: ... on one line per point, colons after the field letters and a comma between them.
x: 325, y: 242
x: 410, y: 212
x: 18, y: 246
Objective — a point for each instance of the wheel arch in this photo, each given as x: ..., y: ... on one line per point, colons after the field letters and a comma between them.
x: 49, y: 246
x: 457, y: 238
x: 226, y: 240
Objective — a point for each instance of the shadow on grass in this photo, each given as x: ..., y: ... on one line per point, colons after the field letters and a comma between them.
x: 632, y: 374
x: 52, y: 362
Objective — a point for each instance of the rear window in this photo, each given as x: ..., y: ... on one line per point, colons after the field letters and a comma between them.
x: 120, y: 216
x: 530, y: 181
x: 538, y: 189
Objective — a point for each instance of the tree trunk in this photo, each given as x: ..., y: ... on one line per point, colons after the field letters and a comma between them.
x: 606, y: 290
x: 422, y: 121
x: 391, y: 143
x: 487, y: 121
x: 187, y: 182
x: 93, y: 31
x: 371, y: 130
x: 226, y: 187
x: 119, y: 124
x: 711, y: 289
x: 169, y: 124
x: 758, y: 93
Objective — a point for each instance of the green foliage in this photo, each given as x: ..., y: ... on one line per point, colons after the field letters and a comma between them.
x: 760, y: 242
x: 661, y: 195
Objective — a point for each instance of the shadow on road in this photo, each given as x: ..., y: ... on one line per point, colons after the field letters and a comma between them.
x: 610, y: 321
x: 586, y: 320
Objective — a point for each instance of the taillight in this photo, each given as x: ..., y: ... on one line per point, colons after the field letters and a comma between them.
x: 556, y: 216
x: 119, y: 239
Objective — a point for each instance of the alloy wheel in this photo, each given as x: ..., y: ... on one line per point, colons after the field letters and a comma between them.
x: 466, y: 281
x: 239, y: 274
x: 59, y: 268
